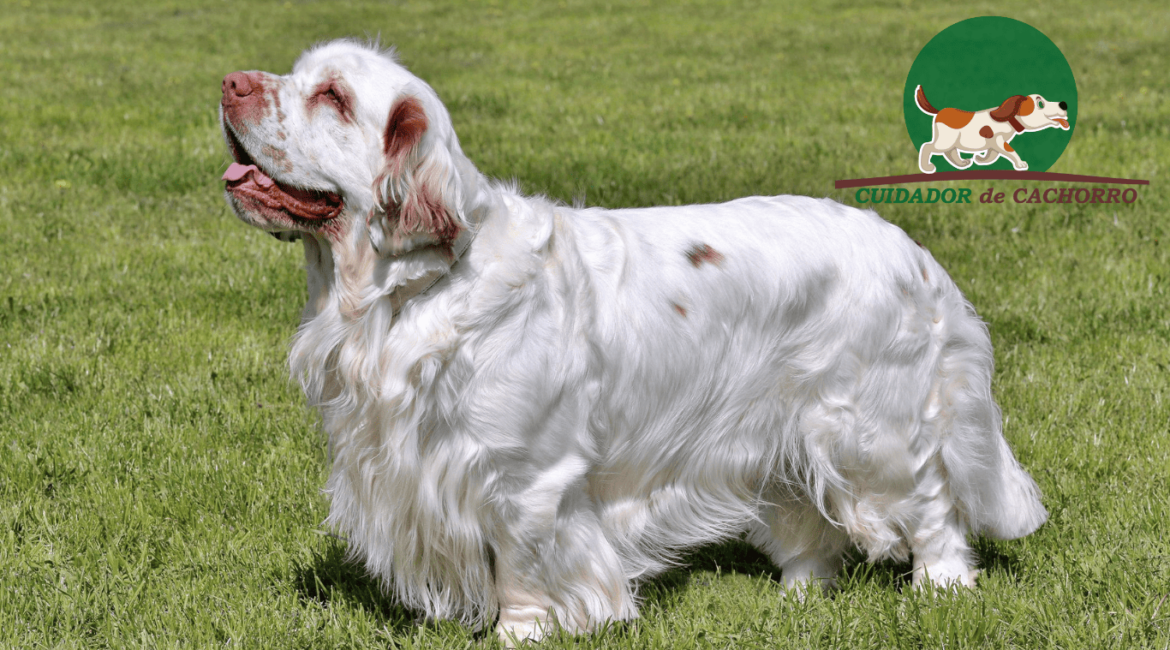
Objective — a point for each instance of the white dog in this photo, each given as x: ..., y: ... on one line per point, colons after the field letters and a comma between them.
x: 531, y: 407
x: 988, y: 132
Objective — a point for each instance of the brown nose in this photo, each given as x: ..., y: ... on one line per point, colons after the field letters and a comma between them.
x: 236, y: 85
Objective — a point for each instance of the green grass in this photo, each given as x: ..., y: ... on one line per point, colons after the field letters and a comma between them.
x: 159, y: 475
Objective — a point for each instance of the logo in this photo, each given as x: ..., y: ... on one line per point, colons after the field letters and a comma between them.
x: 989, y: 98
x: 1005, y: 97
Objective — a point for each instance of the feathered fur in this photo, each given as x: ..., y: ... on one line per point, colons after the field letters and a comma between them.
x: 585, y: 392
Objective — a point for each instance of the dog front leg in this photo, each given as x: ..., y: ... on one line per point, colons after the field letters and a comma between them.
x: 554, y: 566
x: 1005, y: 149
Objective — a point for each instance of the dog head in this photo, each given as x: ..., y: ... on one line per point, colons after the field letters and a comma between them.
x: 1038, y: 113
x: 1032, y: 113
x: 349, y: 137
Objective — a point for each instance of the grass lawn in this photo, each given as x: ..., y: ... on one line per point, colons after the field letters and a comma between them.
x: 160, y: 475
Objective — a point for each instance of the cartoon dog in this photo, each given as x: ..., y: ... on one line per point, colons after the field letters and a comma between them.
x: 988, y: 131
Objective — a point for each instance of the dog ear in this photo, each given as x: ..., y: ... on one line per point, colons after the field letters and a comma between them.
x: 1026, y: 107
x: 1008, y: 109
x: 417, y: 194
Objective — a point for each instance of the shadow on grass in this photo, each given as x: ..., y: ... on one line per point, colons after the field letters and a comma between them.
x: 990, y: 559
x: 737, y: 556
x: 329, y: 580
x: 997, y: 558
x: 733, y: 556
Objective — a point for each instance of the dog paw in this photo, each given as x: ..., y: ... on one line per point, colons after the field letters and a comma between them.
x: 800, y: 589
x: 963, y: 165
x: 927, y: 168
x: 946, y: 575
x: 803, y: 576
x: 515, y: 636
x: 1022, y: 167
x: 521, y: 625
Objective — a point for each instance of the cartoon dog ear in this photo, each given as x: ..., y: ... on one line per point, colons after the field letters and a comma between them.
x: 417, y: 194
x: 1008, y: 109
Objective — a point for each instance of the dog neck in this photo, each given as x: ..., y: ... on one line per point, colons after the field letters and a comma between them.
x: 336, y: 269
x: 475, y: 210
x: 347, y: 269
x: 417, y: 286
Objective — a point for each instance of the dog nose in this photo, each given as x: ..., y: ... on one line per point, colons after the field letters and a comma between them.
x: 236, y: 85
x: 1063, y: 106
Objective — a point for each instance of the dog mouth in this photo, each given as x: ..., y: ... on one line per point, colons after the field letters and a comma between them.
x: 306, y: 208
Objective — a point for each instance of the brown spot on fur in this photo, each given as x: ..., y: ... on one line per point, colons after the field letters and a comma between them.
x: 276, y: 105
x: 420, y: 211
x: 925, y: 275
x: 1008, y: 146
x: 404, y: 129
x: 332, y: 92
x: 954, y: 118
x: 279, y: 157
x: 986, y: 132
x: 426, y: 213
x: 919, y: 244
x: 1026, y: 107
x: 680, y: 309
x: 700, y: 253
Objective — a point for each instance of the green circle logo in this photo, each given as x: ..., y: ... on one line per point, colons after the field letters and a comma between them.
x: 990, y: 93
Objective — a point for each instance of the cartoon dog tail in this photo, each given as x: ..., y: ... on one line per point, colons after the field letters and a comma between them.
x: 920, y: 97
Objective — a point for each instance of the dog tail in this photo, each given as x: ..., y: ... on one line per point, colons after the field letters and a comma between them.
x: 1021, y: 511
x: 1004, y: 502
x: 999, y: 496
x: 920, y: 97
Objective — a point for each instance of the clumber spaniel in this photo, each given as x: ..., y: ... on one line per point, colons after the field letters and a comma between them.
x: 531, y: 407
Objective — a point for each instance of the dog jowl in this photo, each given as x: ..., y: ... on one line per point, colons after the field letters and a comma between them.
x: 531, y: 408
x: 986, y: 133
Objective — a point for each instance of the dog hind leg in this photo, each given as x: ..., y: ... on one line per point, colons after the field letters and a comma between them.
x: 924, y: 155
x: 972, y: 483
x: 939, y: 541
x: 808, y: 548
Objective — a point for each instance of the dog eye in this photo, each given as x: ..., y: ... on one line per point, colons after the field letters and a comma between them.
x: 1041, y: 103
x: 330, y: 93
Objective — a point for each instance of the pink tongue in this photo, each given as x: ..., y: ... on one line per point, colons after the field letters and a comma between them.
x: 236, y: 171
